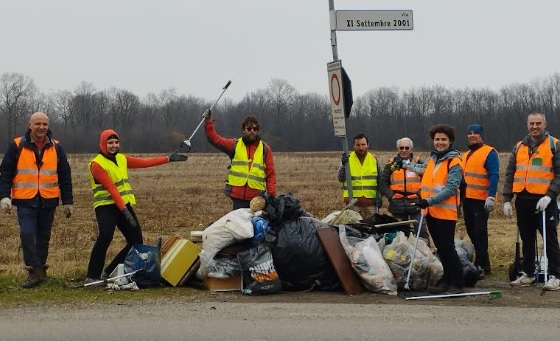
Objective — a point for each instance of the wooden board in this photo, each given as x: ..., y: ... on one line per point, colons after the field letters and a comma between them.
x: 333, y: 248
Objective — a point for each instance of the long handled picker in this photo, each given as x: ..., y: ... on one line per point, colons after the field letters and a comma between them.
x: 187, y: 142
x: 544, y: 251
x: 406, y: 285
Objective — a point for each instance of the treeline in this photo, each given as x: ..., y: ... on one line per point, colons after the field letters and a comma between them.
x: 290, y: 121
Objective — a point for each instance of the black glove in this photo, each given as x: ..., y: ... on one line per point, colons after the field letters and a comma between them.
x: 129, y: 218
x: 423, y: 203
x: 344, y: 158
x: 175, y: 157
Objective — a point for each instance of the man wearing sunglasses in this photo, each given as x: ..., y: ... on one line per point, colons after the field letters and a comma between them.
x: 402, y: 187
x: 481, y: 168
x: 252, y: 167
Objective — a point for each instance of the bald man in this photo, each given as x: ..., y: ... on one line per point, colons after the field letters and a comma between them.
x: 34, y: 177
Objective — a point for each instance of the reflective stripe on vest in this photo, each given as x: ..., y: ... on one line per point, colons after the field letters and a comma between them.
x: 363, y: 177
x: 534, y: 172
x: 405, y: 182
x: 30, y: 179
x: 242, y: 171
x: 475, y: 174
x: 119, y: 176
x: 433, y: 182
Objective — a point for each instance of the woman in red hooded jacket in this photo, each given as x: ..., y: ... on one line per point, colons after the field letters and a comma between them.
x: 113, y: 200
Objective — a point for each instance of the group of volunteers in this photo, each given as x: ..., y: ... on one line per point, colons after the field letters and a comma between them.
x: 35, y: 176
x: 435, y: 192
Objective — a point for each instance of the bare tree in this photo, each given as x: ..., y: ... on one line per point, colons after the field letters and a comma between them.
x: 17, y: 91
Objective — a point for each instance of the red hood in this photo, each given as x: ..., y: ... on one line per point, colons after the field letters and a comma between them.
x: 105, y: 135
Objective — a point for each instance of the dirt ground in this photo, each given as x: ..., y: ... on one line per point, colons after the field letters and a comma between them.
x: 527, y: 297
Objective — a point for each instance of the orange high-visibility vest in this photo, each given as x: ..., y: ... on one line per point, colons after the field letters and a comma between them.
x: 405, y: 181
x: 31, y: 179
x: 433, y: 182
x: 534, y: 172
x: 475, y: 175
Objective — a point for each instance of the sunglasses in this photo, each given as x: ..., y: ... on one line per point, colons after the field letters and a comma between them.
x: 251, y: 128
x: 405, y: 148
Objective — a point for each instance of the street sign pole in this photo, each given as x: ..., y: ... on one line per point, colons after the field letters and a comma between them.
x: 343, y: 139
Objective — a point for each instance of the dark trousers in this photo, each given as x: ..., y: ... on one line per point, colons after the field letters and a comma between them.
x: 35, y: 226
x: 443, y: 235
x: 528, y: 221
x: 109, y: 216
x: 476, y: 223
x: 240, y: 203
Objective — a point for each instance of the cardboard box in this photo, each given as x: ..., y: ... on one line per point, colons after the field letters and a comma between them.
x: 182, y: 255
x: 234, y: 283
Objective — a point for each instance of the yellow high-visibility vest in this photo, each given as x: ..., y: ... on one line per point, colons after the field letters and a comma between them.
x: 239, y: 172
x: 119, y: 176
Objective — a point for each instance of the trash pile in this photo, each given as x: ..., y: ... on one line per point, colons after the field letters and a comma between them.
x: 276, y: 245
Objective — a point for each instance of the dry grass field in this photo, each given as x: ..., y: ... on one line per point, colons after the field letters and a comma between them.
x: 186, y: 196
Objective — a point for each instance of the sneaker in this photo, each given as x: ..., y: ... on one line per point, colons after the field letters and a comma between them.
x: 90, y: 280
x: 552, y: 284
x: 523, y: 281
x: 440, y: 287
x: 33, y: 277
x: 480, y: 273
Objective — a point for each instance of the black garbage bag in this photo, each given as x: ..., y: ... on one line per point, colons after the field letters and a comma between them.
x: 282, y: 208
x: 300, y: 259
x: 259, y: 274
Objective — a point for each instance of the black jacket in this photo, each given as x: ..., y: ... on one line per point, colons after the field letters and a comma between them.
x: 8, y: 170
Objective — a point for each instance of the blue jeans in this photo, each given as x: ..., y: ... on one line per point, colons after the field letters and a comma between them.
x: 35, y: 226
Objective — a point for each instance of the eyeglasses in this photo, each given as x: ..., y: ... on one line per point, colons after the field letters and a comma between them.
x: 251, y: 128
x: 404, y: 147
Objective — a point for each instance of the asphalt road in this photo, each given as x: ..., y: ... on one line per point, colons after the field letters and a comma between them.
x: 165, y: 320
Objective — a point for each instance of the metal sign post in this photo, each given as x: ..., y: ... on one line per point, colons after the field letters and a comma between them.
x: 356, y: 20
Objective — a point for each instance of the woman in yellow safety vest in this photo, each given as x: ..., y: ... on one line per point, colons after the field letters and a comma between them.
x: 113, y: 200
x: 440, y: 197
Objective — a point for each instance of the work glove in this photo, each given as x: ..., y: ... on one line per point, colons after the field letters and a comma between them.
x: 6, y: 204
x: 423, y: 203
x: 508, y: 210
x: 344, y: 158
x: 129, y: 218
x: 543, y: 203
x: 176, y: 157
x: 396, y: 165
x: 68, y: 210
x: 207, y: 114
x: 489, y: 204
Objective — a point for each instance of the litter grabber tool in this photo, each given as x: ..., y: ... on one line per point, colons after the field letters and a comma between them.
x: 104, y: 281
x: 515, y: 267
x: 406, y: 285
x: 397, y: 223
x: 187, y: 142
x: 492, y: 295
x: 545, y: 265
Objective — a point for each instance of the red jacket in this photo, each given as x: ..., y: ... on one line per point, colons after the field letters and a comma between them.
x: 227, y: 145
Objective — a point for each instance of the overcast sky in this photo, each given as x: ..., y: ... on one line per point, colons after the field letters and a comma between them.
x: 195, y: 46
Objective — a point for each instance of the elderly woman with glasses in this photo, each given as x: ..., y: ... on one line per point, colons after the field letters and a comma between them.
x: 402, y: 187
x: 252, y: 168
